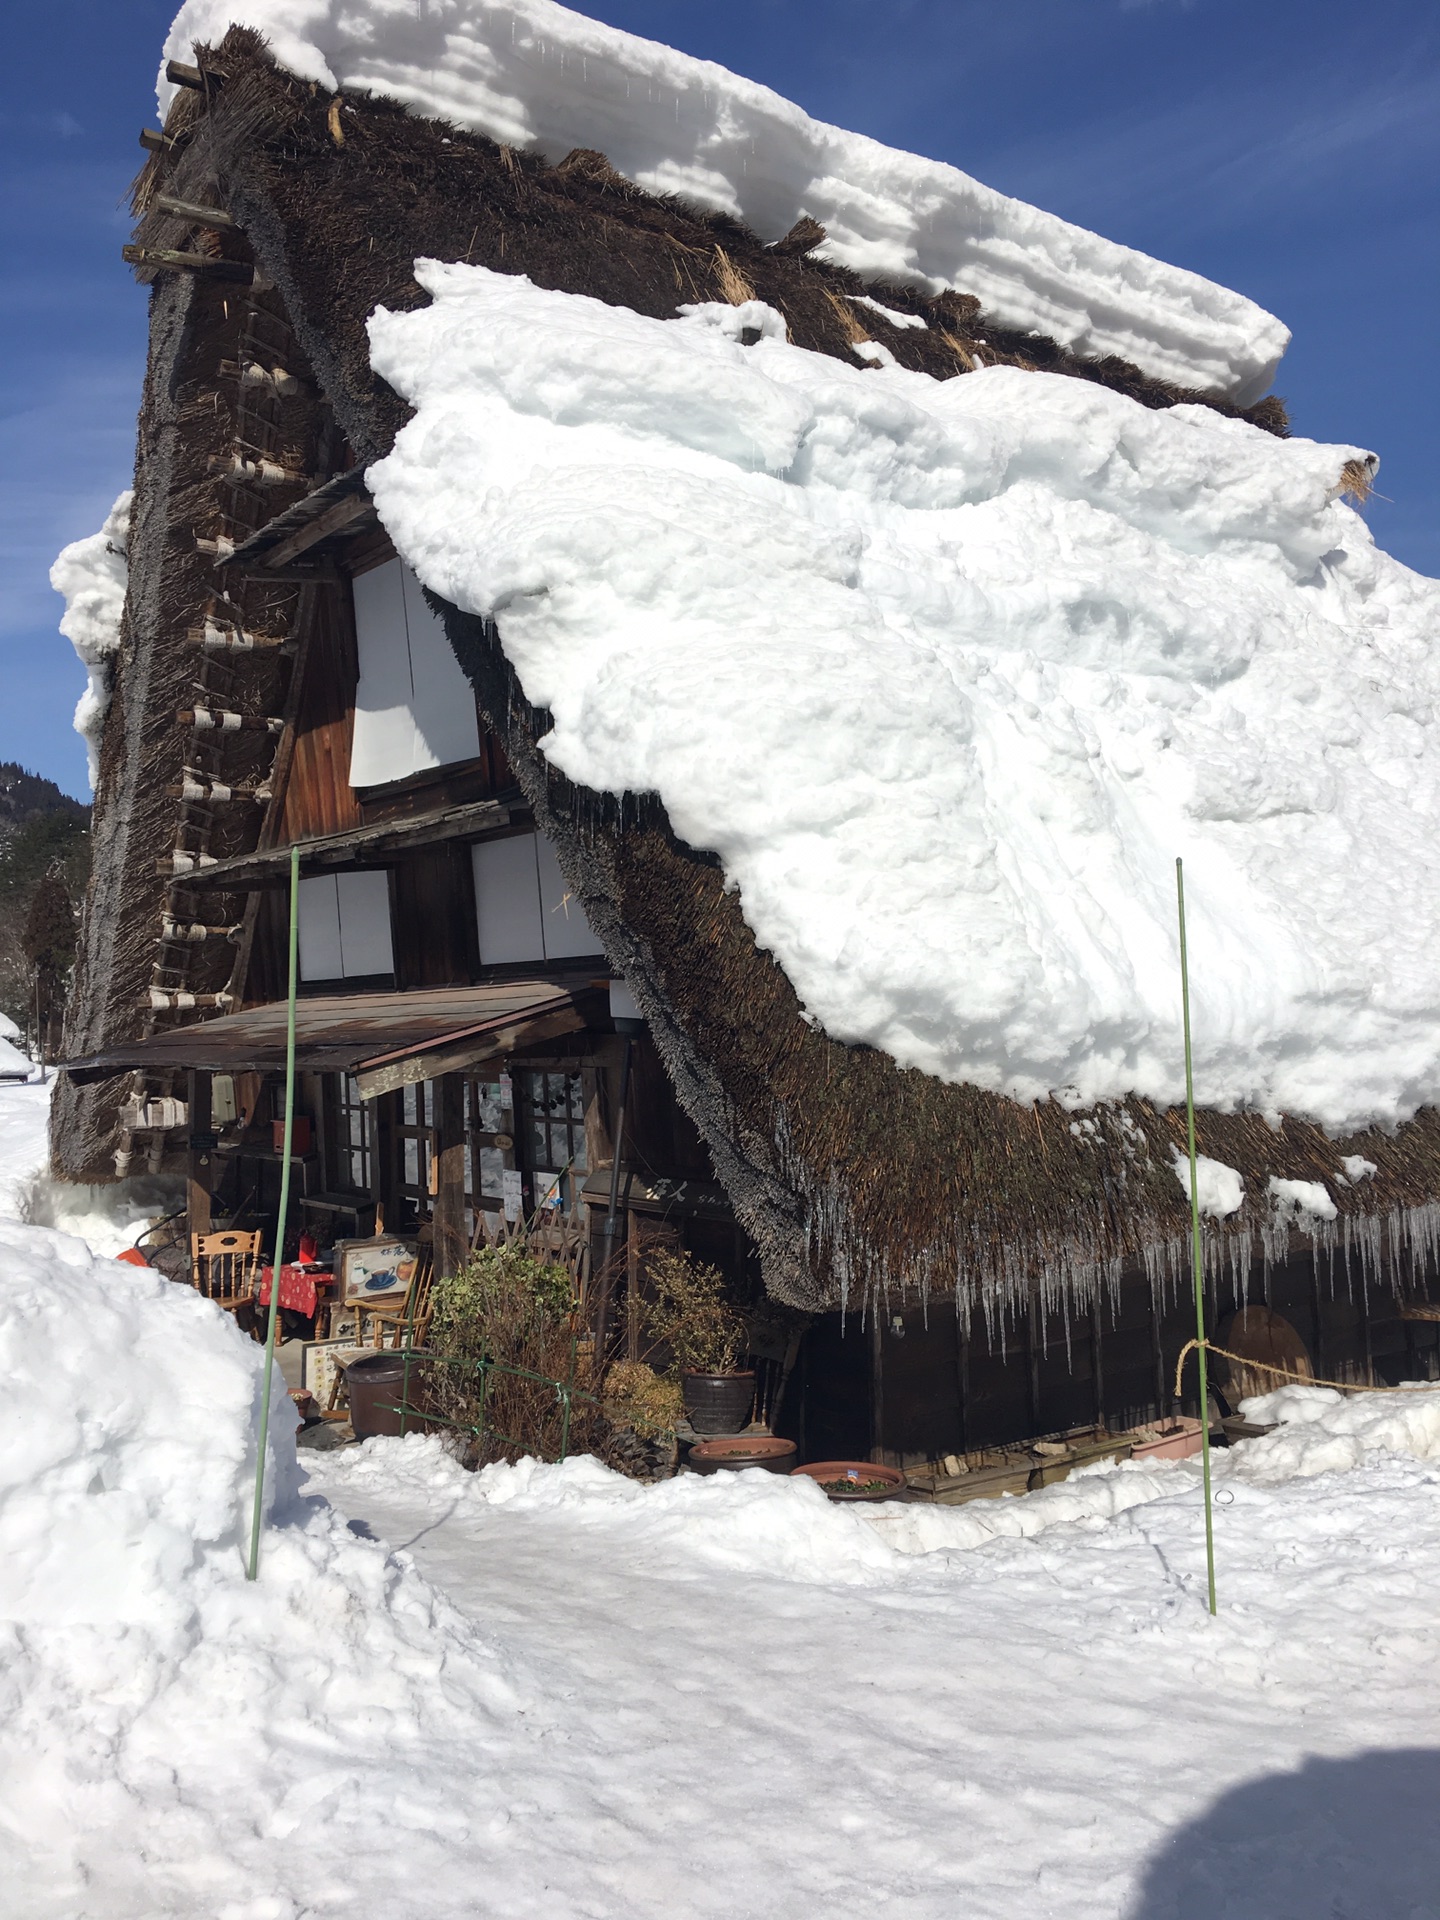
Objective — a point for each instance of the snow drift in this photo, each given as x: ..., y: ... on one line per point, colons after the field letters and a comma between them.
x: 129, y: 1637
x: 532, y: 74
x: 947, y: 673
x: 92, y: 574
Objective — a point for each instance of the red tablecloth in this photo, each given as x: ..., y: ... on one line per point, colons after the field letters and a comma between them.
x: 297, y: 1289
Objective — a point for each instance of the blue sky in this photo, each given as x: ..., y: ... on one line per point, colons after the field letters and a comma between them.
x: 1290, y: 148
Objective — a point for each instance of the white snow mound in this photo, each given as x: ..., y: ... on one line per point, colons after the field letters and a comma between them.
x: 535, y: 75
x: 129, y: 1637
x: 947, y: 673
x: 92, y: 574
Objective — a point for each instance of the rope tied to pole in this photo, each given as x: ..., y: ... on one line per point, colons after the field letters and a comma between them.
x: 1285, y: 1373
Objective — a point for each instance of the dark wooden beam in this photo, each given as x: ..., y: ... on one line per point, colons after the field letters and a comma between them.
x: 270, y: 866
x: 466, y: 1054
x: 192, y: 210
x: 180, y: 73
x: 451, y: 1240
x: 166, y: 259
x: 342, y: 514
x: 197, y: 1188
x: 154, y: 141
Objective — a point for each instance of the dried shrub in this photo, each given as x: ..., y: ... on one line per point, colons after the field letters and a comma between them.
x: 507, y: 1310
x: 689, y: 1315
x: 641, y: 1400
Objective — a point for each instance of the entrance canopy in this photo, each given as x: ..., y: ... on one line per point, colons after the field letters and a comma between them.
x: 387, y: 1040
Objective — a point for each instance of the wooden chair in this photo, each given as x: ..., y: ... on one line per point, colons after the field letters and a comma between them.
x: 225, y: 1268
x: 414, y: 1305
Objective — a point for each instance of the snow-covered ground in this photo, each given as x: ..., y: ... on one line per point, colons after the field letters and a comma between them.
x: 547, y: 1691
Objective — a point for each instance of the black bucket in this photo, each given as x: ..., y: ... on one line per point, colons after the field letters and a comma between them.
x: 377, y: 1385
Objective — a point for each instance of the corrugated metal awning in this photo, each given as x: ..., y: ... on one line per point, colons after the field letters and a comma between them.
x: 387, y: 1040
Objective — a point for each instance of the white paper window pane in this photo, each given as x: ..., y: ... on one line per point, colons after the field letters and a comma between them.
x: 446, y: 726
x: 320, y: 955
x: 414, y: 708
x: 412, y: 1162
x: 365, y: 945
x: 566, y: 930
x: 507, y: 900
x: 492, y: 1173
x: 383, y: 746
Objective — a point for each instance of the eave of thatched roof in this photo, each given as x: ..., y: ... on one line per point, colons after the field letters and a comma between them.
x: 853, y: 1176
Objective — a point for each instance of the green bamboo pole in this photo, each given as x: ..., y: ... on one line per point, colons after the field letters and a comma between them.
x: 254, y: 1567
x: 1197, y: 1263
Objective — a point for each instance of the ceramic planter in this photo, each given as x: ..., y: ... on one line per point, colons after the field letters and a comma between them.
x: 718, y: 1402
x: 745, y: 1450
x: 854, y: 1480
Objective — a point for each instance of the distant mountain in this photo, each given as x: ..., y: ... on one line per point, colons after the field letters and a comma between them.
x: 42, y: 831
x: 28, y: 796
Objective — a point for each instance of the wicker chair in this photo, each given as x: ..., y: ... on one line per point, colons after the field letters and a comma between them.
x: 225, y: 1268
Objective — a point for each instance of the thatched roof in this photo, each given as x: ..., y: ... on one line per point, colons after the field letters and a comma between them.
x: 852, y: 1174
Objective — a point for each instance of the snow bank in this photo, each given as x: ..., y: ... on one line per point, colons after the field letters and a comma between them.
x: 24, y: 1142
x: 947, y: 673
x: 1322, y: 1431
x: 147, y: 1689
x: 535, y: 75
x: 92, y: 574
x: 13, y: 1063
x: 750, y: 1522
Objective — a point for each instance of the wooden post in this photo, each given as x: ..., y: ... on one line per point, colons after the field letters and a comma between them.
x: 877, y: 1387
x: 632, y: 1288
x: 962, y: 1372
x: 451, y: 1240
x: 1097, y: 1363
x: 197, y: 1191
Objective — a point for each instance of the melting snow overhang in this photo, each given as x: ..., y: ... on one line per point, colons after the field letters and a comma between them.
x: 387, y: 1040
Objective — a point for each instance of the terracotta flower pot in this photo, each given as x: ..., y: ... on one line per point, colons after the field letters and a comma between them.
x: 745, y: 1450
x: 854, y: 1479
x: 718, y: 1402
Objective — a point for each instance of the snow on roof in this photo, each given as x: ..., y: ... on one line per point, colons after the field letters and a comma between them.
x: 92, y: 574
x: 533, y: 74
x: 14, y: 1065
x: 947, y: 673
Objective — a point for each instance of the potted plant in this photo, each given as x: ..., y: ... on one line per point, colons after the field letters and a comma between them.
x: 689, y: 1314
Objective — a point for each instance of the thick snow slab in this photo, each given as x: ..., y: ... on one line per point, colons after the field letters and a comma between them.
x: 948, y: 673
x: 533, y: 74
x: 92, y: 574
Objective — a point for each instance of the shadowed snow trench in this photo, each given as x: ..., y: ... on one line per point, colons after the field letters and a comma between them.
x: 749, y: 1702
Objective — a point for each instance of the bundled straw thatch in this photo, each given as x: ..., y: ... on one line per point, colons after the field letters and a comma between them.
x: 854, y: 1177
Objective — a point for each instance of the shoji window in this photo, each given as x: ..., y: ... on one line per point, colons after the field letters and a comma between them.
x: 523, y: 908
x: 414, y: 708
x: 345, y: 926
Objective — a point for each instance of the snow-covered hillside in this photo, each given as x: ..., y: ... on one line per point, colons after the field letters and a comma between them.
x: 537, y: 75
x: 948, y: 673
